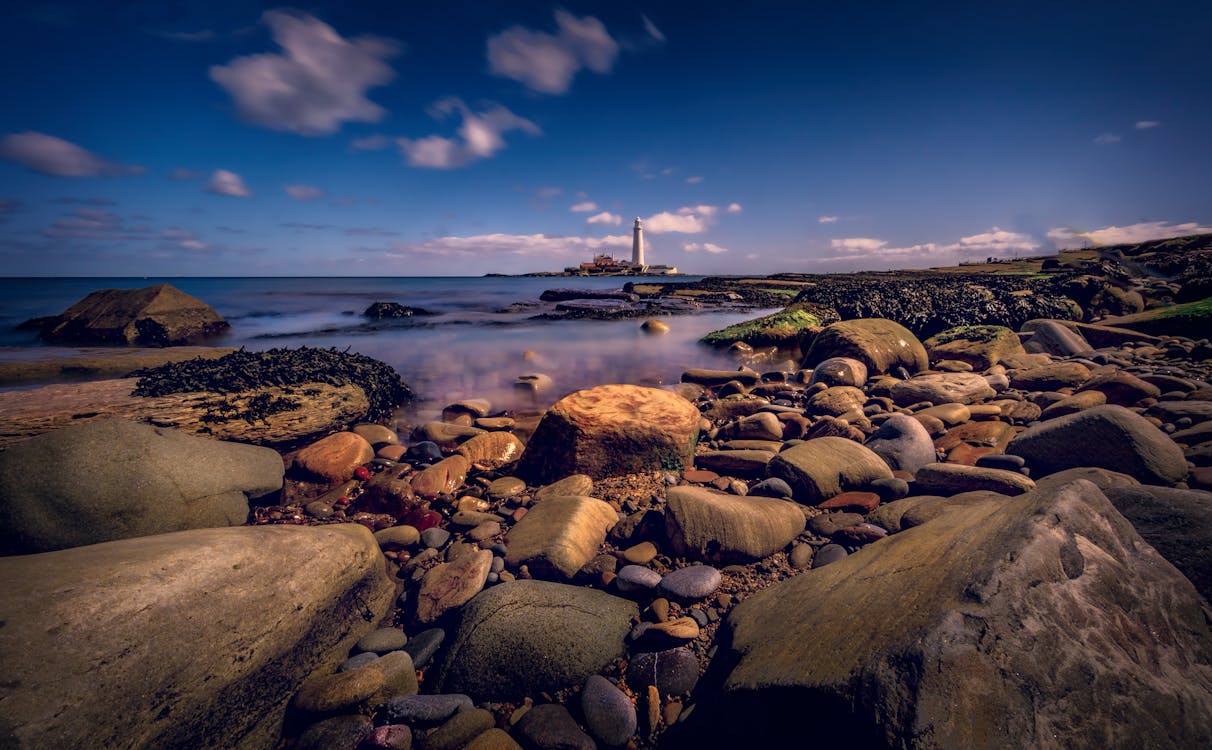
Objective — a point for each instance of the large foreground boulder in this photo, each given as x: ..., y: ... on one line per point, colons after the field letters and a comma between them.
x: 611, y: 430
x: 882, y: 345
x: 1037, y: 621
x: 113, y: 479
x: 1178, y: 523
x: 157, y: 315
x: 1106, y: 437
x: 521, y: 638
x: 190, y: 640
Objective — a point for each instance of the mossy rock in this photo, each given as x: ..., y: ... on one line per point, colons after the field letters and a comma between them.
x: 782, y: 329
x: 1190, y: 319
x: 980, y: 346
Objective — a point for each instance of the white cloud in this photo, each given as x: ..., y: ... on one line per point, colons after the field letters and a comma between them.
x: 376, y: 142
x: 1113, y: 235
x: 691, y: 247
x: 857, y: 245
x: 303, y: 192
x: 651, y: 28
x: 1106, y: 139
x: 223, y: 182
x: 828, y: 219
x: 547, y: 62
x: 694, y: 179
x: 318, y: 81
x: 53, y: 156
x: 583, y: 207
x: 605, y: 218
x: 1146, y: 124
x: 687, y: 219
x: 479, y: 137
x: 996, y: 242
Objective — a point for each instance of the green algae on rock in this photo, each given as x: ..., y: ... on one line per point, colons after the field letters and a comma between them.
x: 782, y: 328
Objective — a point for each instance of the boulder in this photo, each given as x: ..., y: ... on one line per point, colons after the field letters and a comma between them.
x: 335, y: 457
x: 521, y: 638
x: 943, y: 388
x: 1108, y: 437
x: 880, y: 344
x: 903, y: 443
x: 1055, y: 338
x: 492, y: 450
x: 836, y: 401
x: 952, y: 479
x: 1178, y: 523
x: 113, y: 479
x: 157, y: 315
x: 558, y: 535
x: 1039, y: 621
x: 1050, y: 377
x: 980, y: 346
x: 823, y: 467
x: 195, y: 639
x: 839, y: 371
x: 708, y: 525
x: 611, y: 430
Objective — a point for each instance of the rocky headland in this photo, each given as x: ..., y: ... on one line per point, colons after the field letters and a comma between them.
x: 959, y: 508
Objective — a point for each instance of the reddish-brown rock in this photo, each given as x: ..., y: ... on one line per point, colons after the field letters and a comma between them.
x: 335, y: 457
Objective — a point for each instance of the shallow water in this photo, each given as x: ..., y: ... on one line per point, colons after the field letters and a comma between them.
x: 470, y: 348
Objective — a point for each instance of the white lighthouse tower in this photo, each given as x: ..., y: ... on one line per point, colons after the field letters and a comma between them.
x: 637, y: 243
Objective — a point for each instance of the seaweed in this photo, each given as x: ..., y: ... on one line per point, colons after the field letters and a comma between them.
x: 244, y: 370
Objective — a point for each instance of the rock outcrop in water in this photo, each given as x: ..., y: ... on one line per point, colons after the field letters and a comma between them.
x: 158, y: 315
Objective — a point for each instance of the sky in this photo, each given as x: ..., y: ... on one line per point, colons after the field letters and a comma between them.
x: 408, y: 138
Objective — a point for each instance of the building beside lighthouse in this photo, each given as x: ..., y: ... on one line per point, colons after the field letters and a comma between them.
x: 606, y: 265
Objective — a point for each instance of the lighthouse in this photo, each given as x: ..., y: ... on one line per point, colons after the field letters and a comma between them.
x: 637, y: 243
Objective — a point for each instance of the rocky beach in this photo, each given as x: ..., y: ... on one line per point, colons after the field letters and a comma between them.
x: 966, y: 507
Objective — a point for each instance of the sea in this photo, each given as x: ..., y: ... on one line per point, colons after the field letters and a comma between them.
x: 476, y: 345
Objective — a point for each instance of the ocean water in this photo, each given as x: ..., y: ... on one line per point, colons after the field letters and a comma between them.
x: 472, y: 347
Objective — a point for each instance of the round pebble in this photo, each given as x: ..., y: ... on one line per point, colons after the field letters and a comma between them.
x: 435, y: 537
x: 1003, y: 461
x: 382, y: 640
x: 506, y: 487
x: 772, y: 487
x: 801, y: 556
x: 640, y: 554
x: 635, y: 578
x: 424, y: 451
x: 889, y: 488
x: 422, y: 646
x: 357, y: 661
x: 690, y: 584
x: 830, y: 553
x: 674, y: 672
x: 609, y: 715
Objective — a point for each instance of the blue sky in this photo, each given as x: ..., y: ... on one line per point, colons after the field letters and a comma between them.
x: 226, y: 138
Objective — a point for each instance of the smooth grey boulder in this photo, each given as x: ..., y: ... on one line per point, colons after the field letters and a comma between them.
x: 1037, y: 621
x: 196, y: 639
x: 1178, y: 523
x: 903, y: 443
x: 1055, y: 338
x: 823, y: 467
x: 1106, y: 437
x: 114, y: 479
x: 525, y: 637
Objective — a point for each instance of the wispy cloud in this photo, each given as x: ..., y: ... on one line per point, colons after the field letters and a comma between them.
x: 56, y: 157
x: 183, y: 173
x: 583, y: 207
x: 734, y: 208
x: 1147, y: 124
x: 828, y: 219
x: 692, y: 247
x: 223, y: 182
x: 651, y: 28
x: 318, y: 82
x: 605, y: 217
x: 479, y: 137
x: 1113, y: 235
x: 996, y: 243
x: 96, y: 224
x: 694, y: 179
x: 547, y: 63
x: 1106, y: 139
x: 303, y: 192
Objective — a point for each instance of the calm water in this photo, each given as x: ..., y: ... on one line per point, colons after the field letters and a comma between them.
x: 471, y: 348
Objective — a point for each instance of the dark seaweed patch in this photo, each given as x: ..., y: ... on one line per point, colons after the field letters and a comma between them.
x: 243, y: 370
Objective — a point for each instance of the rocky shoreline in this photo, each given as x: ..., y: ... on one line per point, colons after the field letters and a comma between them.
x: 887, y: 530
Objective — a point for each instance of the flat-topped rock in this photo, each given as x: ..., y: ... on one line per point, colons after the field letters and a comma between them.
x: 943, y: 388
x: 157, y: 315
x: 611, y: 430
x: 54, y: 363
x: 952, y: 479
x: 823, y: 467
x: 113, y: 479
x: 135, y: 643
x: 558, y: 535
x: 708, y: 525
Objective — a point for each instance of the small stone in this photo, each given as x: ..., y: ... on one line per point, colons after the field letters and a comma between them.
x: 357, y: 661
x: 424, y: 710
x: 388, y: 737
x: 690, y: 584
x: 335, y: 457
x: 673, y: 672
x: 422, y: 646
x: 506, y: 487
x: 653, y: 326
x: 699, y: 476
x: 860, y: 534
x: 653, y: 704
x: 890, y: 488
x: 337, y: 733
x: 459, y: 730
x: 451, y: 585
x: 640, y: 554
x: 494, y: 739
x: 637, y: 578
x: 772, y: 487
x: 609, y: 715
x: 828, y: 524
x: 551, y: 727
x: 801, y: 556
x: 659, y: 609
x: 382, y: 640
x: 486, y: 530
x: 830, y: 553
x: 397, y: 537
x: 318, y: 509
x: 854, y: 500
x: 434, y: 537
x: 667, y: 633
x: 425, y: 451
x: 327, y: 693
